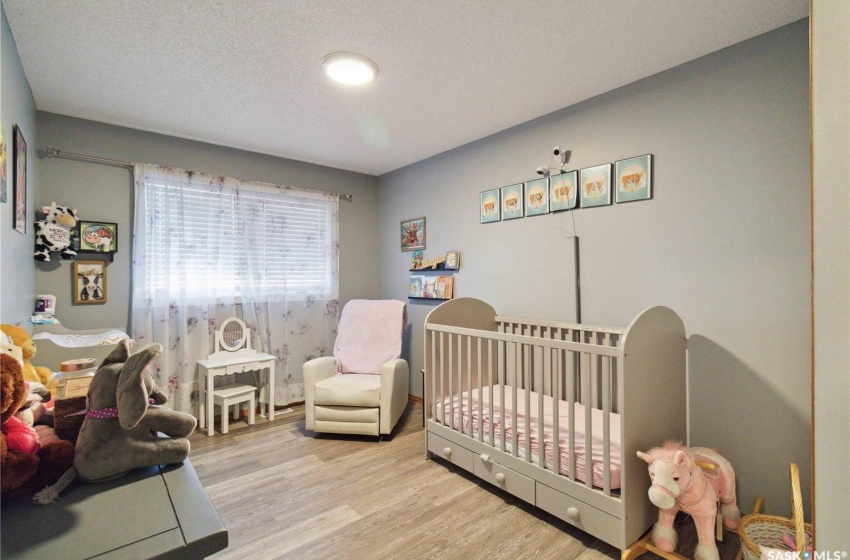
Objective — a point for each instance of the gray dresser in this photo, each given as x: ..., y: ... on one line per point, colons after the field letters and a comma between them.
x: 156, y: 512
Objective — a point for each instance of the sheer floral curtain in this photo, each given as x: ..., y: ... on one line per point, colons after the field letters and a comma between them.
x: 206, y: 248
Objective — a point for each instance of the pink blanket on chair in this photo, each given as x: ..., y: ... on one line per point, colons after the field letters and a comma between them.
x: 369, y: 334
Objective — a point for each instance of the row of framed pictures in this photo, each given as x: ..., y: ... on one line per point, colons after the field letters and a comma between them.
x: 585, y: 188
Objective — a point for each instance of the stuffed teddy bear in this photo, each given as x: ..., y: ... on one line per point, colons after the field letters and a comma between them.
x: 21, y: 338
x: 29, y: 459
x: 53, y: 233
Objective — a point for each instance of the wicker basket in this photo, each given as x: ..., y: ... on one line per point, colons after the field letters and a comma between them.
x: 757, y: 530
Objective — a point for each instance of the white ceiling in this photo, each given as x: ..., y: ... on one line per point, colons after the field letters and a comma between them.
x: 246, y: 73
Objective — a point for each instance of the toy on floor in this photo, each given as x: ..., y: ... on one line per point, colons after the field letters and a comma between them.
x: 29, y: 458
x: 21, y: 338
x: 121, y: 430
x: 692, y: 480
x: 53, y: 233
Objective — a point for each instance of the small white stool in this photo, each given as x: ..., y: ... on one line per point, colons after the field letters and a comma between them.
x: 234, y: 394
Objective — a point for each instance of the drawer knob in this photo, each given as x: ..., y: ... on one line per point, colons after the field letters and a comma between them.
x: 447, y: 451
x: 486, y: 458
x: 500, y: 477
x: 572, y: 513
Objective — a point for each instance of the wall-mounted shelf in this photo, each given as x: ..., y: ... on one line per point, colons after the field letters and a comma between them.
x: 99, y: 255
x: 438, y: 287
x: 440, y: 268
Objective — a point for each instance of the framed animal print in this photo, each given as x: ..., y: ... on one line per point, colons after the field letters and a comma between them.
x: 512, y: 202
x: 89, y: 282
x: 20, y: 213
x: 99, y: 237
x: 595, y: 186
x: 413, y: 234
x: 633, y: 178
x: 563, y: 191
x: 491, y: 208
x: 537, y: 197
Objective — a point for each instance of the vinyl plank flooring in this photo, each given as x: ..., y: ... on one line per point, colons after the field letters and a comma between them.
x: 286, y: 493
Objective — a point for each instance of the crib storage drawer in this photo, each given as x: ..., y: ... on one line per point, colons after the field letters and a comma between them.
x: 580, y: 514
x: 509, y: 480
x: 449, y: 451
x: 241, y: 368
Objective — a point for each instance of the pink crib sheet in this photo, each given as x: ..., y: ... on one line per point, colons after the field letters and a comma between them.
x: 482, y: 414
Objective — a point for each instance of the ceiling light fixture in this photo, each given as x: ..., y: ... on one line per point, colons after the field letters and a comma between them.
x: 350, y: 68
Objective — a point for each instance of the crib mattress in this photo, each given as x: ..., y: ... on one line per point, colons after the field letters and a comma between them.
x: 464, y: 414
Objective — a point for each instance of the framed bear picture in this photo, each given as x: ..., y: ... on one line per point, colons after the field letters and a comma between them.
x: 89, y: 282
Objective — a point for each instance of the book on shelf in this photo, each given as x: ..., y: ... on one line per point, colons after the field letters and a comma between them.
x: 430, y: 287
x: 444, y: 287
x: 415, y: 287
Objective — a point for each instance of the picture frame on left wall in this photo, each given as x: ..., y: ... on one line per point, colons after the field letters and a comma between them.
x: 20, y: 180
x: 89, y: 282
x: 3, y: 181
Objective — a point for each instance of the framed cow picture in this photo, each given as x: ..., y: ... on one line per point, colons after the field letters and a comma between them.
x: 89, y: 282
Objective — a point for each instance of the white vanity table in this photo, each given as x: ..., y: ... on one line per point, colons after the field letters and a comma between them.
x: 233, y: 355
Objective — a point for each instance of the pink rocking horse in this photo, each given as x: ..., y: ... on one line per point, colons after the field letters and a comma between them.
x: 692, y: 480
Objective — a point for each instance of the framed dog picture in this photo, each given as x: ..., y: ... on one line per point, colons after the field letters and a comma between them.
x: 89, y: 282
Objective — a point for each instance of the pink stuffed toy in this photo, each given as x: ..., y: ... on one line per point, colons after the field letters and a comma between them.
x: 692, y: 480
x: 20, y: 436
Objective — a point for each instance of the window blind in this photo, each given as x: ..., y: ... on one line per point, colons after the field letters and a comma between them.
x: 205, y: 239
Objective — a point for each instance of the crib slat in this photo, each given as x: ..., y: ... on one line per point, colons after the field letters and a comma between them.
x: 469, y: 384
x: 556, y: 414
x: 442, y: 381
x: 571, y: 400
x: 451, y: 362
x: 490, y: 383
x: 480, y: 394
x: 527, y: 376
x: 502, y: 373
x: 606, y: 426
x: 541, y: 415
x: 514, y: 403
x: 433, y: 373
x: 587, y: 392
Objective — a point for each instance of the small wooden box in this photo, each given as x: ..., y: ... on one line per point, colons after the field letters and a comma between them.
x: 70, y: 399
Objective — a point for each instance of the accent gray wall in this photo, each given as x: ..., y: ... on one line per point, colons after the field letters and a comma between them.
x: 102, y: 192
x: 724, y: 241
x: 17, y: 291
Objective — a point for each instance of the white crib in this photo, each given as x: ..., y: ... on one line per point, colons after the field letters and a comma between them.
x: 487, y: 379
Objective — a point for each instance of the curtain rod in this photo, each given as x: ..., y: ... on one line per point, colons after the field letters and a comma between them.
x: 55, y: 153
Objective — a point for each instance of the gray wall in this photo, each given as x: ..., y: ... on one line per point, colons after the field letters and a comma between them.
x: 101, y: 192
x: 17, y: 291
x: 724, y: 242
x: 831, y: 196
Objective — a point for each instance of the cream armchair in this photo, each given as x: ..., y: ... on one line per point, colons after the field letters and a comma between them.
x: 362, y: 389
x: 354, y: 403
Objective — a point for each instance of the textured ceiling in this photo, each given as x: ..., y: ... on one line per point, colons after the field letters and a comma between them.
x: 246, y: 73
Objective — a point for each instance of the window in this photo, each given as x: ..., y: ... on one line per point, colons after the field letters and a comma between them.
x: 207, y: 238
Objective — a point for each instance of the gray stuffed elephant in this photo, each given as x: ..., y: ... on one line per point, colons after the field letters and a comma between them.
x: 121, y: 429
